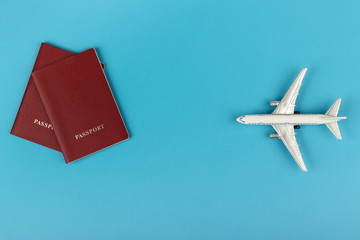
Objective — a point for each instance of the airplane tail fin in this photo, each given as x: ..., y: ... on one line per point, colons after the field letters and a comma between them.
x: 333, y: 111
x: 334, y: 128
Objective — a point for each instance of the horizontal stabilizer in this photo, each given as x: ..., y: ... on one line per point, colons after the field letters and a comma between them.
x: 334, y: 128
x: 334, y: 109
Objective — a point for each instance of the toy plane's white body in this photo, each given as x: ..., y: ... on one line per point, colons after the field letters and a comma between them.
x: 284, y: 119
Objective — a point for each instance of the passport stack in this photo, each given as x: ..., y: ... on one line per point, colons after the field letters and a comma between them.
x: 68, y: 105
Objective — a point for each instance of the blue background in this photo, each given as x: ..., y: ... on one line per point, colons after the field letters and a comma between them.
x: 182, y: 71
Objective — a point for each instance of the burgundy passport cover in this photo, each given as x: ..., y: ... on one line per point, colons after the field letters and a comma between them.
x: 32, y: 122
x: 80, y: 105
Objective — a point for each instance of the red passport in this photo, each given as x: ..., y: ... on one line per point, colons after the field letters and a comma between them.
x: 80, y: 105
x: 32, y: 122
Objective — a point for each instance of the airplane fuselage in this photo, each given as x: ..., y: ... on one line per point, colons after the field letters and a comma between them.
x: 287, y: 119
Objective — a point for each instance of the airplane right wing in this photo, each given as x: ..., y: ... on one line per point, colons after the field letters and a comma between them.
x: 287, y: 135
x: 287, y: 104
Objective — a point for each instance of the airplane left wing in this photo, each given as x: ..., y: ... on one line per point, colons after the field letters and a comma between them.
x: 287, y: 135
x: 287, y: 104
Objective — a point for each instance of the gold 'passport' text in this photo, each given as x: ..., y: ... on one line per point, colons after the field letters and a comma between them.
x: 43, y: 124
x: 89, y: 131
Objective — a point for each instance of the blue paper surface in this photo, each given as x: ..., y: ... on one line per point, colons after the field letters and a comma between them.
x: 182, y: 72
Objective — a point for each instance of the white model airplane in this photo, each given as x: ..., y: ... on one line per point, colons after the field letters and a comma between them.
x: 284, y: 119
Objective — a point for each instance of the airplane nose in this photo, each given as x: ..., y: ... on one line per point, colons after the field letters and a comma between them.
x: 240, y: 119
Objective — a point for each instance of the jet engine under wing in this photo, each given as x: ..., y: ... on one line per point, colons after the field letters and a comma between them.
x: 287, y: 135
x: 287, y: 104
